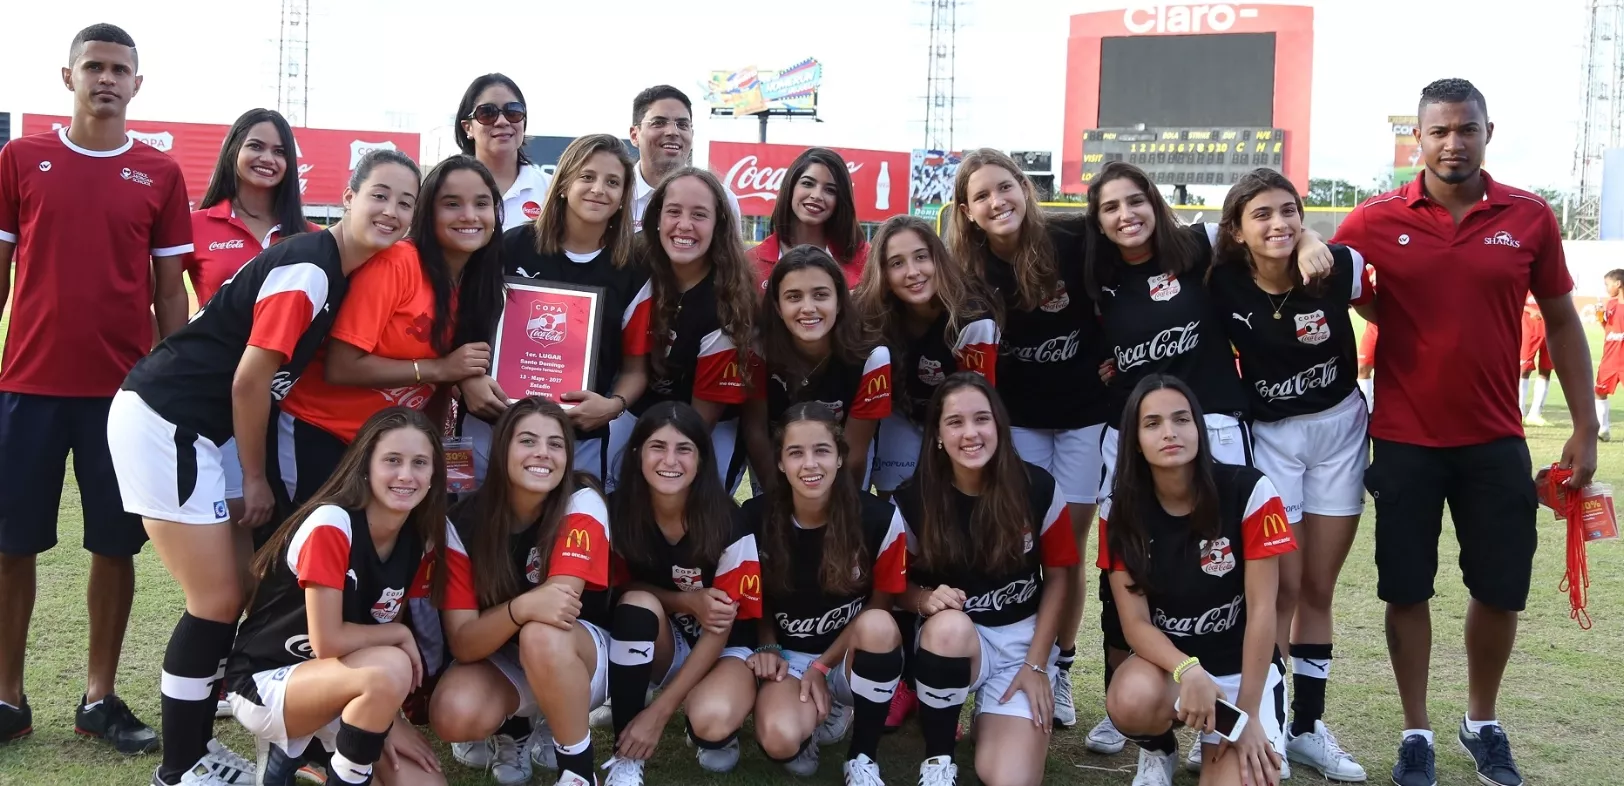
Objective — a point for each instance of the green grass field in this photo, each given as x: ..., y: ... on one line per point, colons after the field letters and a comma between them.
x: 1560, y: 703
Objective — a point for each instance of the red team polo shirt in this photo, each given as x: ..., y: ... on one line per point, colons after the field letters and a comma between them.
x: 1450, y: 302
x: 223, y: 245
x: 87, y: 224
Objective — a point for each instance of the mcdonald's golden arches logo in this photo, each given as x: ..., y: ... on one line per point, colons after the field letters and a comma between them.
x: 1274, y: 525
x: 750, y: 586
x: 578, y: 539
x: 975, y: 360
x: 881, y: 383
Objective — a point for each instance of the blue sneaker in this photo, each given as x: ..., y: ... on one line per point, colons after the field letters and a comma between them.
x: 1491, y: 752
x: 1416, y: 765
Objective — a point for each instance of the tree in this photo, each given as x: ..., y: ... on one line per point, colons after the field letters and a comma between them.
x: 1323, y: 192
x: 1560, y: 204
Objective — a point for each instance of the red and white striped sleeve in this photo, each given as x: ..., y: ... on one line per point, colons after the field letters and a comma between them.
x: 978, y: 348
x: 319, y: 552
x: 1059, y: 544
x: 1265, y: 532
x: 289, y: 299
x: 634, y: 324
x: 581, y: 549
x: 1105, y: 561
x: 716, y: 376
x: 738, y: 573
x: 459, y: 578
x: 873, y: 399
x: 891, y: 563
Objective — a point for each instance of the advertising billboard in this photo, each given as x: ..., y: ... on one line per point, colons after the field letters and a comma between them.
x: 1612, y: 194
x: 930, y: 180
x: 1406, y: 151
x: 326, y: 156
x: 5, y: 128
x: 544, y: 151
x: 748, y: 91
x: 754, y: 172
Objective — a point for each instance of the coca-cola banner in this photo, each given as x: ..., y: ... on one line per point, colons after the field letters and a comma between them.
x: 326, y: 156
x: 753, y: 172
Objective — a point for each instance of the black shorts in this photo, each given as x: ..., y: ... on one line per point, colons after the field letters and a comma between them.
x: 1110, y: 622
x: 1490, y: 491
x: 36, y: 435
x: 305, y: 459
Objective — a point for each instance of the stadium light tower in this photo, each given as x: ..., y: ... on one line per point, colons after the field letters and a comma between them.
x: 293, y: 72
x: 939, y: 74
x: 1603, y: 126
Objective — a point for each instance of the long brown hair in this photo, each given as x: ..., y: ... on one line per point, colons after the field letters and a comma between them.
x: 1037, y: 275
x: 490, y: 509
x: 708, y: 513
x: 841, y: 232
x: 1233, y: 252
x: 849, y: 342
x: 1002, y: 516
x: 551, y: 224
x: 1103, y: 265
x: 349, y: 488
x: 843, y: 545
x: 736, y: 291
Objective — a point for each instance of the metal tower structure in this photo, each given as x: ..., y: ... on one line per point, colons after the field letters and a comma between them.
x: 939, y: 74
x: 1603, y: 125
x: 293, y: 61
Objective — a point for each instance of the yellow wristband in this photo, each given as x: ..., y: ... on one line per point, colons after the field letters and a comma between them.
x: 417, y: 372
x: 1178, y: 673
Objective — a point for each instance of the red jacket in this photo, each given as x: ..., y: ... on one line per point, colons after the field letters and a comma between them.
x: 766, y: 254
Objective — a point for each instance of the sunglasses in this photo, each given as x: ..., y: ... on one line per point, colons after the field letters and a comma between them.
x: 486, y: 114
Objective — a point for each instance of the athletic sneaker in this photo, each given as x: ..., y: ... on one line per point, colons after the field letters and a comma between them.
x: 719, y: 760
x: 571, y: 779
x: 1605, y: 435
x: 903, y: 703
x: 222, y: 708
x: 1065, y: 714
x: 835, y: 726
x: 805, y: 763
x: 112, y: 722
x: 1155, y: 769
x: 283, y: 770
x: 475, y: 754
x: 1416, y: 764
x: 863, y: 771
x: 1193, y: 761
x: 1538, y: 422
x: 543, y: 752
x: 623, y: 772
x: 509, y: 764
x: 1491, y: 752
x: 938, y: 771
x: 218, y: 767
x: 1320, y: 750
x: 1104, y: 739
x: 16, y: 722
x: 196, y: 776
x: 602, y: 717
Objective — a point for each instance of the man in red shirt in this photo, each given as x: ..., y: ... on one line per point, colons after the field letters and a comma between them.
x: 1610, y: 371
x: 1456, y: 254
x: 96, y: 225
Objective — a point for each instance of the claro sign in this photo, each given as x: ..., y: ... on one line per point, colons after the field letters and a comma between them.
x: 1213, y: 18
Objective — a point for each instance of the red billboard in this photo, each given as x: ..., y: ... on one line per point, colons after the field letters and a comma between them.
x: 1292, y: 29
x: 326, y: 156
x: 754, y: 171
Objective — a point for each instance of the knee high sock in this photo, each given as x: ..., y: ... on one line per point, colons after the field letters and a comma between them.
x: 944, y: 686
x: 1310, y: 669
x: 194, y: 660
x: 577, y: 758
x: 908, y: 623
x: 1604, y: 414
x: 874, y: 678
x: 1536, y: 402
x: 1165, y: 743
x: 358, y: 750
x: 631, y: 662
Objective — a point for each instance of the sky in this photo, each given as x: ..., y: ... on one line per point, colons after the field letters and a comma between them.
x: 403, y: 64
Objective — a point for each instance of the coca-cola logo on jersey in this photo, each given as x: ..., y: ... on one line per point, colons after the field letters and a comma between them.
x: 1314, y: 378
x: 281, y: 383
x: 1056, y: 350
x: 388, y: 606
x: 532, y: 566
x: 224, y: 245
x: 412, y: 397
x: 1207, y: 623
x: 1168, y: 343
x: 832, y: 621
x: 1012, y: 594
x: 747, y: 179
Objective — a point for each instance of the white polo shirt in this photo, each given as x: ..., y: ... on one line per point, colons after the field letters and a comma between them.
x: 645, y: 194
x: 522, y: 202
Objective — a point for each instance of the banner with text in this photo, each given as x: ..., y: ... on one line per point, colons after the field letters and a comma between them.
x: 754, y: 172
x: 1406, y: 151
x: 792, y: 91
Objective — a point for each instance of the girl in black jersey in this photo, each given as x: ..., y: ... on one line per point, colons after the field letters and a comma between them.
x: 816, y: 207
x: 834, y: 561
x: 583, y: 237
x: 1047, y: 372
x: 814, y: 347
x: 934, y: 319
x: 686, y: 620
x: 694, y: 318
x: 327, y: 650
x: 215, y: 379
x: 989, y: 551
x: 1191, y: 546
x: 1299, y: 363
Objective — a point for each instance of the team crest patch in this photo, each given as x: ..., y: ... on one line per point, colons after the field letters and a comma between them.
x: 548, y: 322
x: 1026, y: 547
x: 930, y: 372
x: 1164, y: 287
x: 388, y: 606
x: 1059, y: 302
x: 532, y: 566
x: 1312, y: 328
x: 687, y: 579
x: 1217, y: 559
x: 220, y: 509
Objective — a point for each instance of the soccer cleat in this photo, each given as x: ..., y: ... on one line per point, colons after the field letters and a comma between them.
x: 835, y: 726
x: 1155, y: 769
x: 1491, y: 752
x: 16, y: 722
x: 1536, y: 421
x: 509, y: 764
x: 623, y: 772
x: 862, y: 771
x: 543, y: 751
x: 1193, y: 761
x: 1320, y: 750
x: 475, y: 754
x: 112, y: 722
x: 1605, y: 435
x: 903, y: 703
x: 1065, y: 714
x: 1416, y: 764
x: 805, y: 763
x: 939, y: 771
x: 1104, y: 739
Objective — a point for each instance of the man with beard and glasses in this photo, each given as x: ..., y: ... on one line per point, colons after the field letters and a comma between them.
x: 663, y: 131
x: 1455, y: 254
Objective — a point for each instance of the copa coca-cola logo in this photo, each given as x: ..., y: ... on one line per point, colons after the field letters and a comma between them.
x: 1166, y: 344
x: 223, y: 245
x: 281, y: 384
x: 832, y: 621
x: 689, y: 624
x: 1209, y: 622
x: 1314, y: 378
x: 1056, y: 350
x: 1012, y: 594
x: 413, y: 397
x: 747, y: 179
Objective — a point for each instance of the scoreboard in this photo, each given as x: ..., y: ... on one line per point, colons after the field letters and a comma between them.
x: 1186, y: 156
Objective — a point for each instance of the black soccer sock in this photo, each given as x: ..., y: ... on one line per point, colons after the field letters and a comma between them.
x: 1165, y: 743
x: 631, y: 662
x: 874, y: 678
x: 516, y: 727
x: 194, y: 660
x: 358, y: 750
x: 1064, y: 662
x: 944, y: 686
x: 1310, y: 669
x: 908, y: 624
x: 1110, y: 671
x: 576, y: 758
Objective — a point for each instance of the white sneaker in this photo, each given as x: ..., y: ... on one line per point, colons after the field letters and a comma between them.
x: 720, y: 760
x: 222, y: 709
x: 232, y: 768
x: 1065, y: 714
x: 862, y: 771
x: 1320, y: 750
x: 1193, y: 761
x: 571, y: 779
x: 805, y: 763
x: 1104, y: 739
x: 509, y: 764
x: 939, y: 771
x: 1155, y: 769
x: 543, y: 753
x: 601, y: 718
x: 472, y: 754
x: 623, y: 772
x: 835, y: 726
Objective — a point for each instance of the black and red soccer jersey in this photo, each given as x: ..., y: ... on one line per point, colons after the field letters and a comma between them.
x: 848, y: 390
x: 927, y: 360
x: 580, y: 549
x: 808, y: 618
x: 1199, y: 586
x: 1298, y: 351
x: 284, y: 301
x: 333, y: 548
x: 995, y: 601
x: 701, y: 362
x: 675, y: 567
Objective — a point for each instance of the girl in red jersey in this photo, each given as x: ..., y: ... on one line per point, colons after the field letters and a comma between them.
x: 1610, y: 371
x: 686, y: 621
x: 535, y: 641
x: 328, y: 649
x: 815, y: 348
x: 816, y: 207
x: 835, y: 561
x: 392, y: 342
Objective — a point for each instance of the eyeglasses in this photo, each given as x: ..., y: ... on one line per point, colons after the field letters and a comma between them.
x: 486, y: 114
x: 659, y: 123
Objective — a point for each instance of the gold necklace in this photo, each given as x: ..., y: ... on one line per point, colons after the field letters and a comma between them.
x: 1282, y: 305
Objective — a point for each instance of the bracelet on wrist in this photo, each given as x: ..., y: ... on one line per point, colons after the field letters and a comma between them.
x: 773, y: 648
x: 623, y: 404
x: 1182, y: 668
x: 511, y: 618
x: 417, y: 372
x: 1035, y: 667
x: 821, y: 669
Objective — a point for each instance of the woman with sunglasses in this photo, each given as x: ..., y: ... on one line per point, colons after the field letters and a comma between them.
x: 816, y: 207
x: 490, y: 127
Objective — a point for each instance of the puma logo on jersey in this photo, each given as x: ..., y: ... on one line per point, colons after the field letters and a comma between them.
x: 1247, y: 319
x: 643, y: 652
x: 1109, y: 291
x: 353, y: 578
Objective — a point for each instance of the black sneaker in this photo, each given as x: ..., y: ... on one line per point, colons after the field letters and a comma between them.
x: 16, y: 722
x: 112, y: 722
x: 1491, y: 752
x: 1415, y: 766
